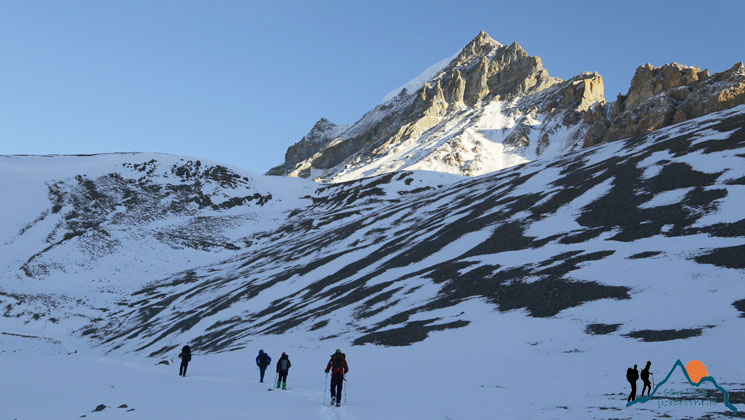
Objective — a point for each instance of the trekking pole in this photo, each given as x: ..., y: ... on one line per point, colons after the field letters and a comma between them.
x: 345, y: 390
x: 324, y: 387
x: 276, y: 376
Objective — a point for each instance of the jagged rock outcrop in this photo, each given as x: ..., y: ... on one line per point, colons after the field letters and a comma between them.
x: 577, y: 94
x: 485, y: 69
x: 563, y: 106
x: 662, y: 96
x: 650, y: 81
x: 721, y: 91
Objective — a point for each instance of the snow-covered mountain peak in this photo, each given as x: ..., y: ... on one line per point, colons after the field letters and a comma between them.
x: 322, y: 130
x: 322, y: 133
x: 480, y: 46
x: 492, y: 106
x: 453, y: 118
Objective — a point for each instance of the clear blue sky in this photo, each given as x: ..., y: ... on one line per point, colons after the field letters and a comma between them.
x: 240, y: 81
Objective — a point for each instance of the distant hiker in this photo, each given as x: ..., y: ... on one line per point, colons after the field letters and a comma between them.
x: 338, y: 367
x: 283, y: 367
x: 185, y: 356
x: 645, y: 378
x: 262, y: 361
x: 632, y: 375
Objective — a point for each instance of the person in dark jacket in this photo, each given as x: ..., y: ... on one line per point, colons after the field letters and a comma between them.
x: 338, y: 367
x: 262, y: 361
x: 283, y: 367
x: 645, y: 377
x: 185, y: 357
x: 632, y: 375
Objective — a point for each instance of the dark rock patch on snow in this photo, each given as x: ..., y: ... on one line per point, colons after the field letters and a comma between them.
x: 600, y: 329
x: 664, y: 335
x: 730, y: 257
x: 411, y: 333
x: 740, y: 306
x: 647, y: 254
x: 318, y: 325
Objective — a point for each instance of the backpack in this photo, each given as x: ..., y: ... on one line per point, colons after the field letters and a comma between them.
x: 337, y: 363
x: 185, y: 354
x: 263, y: 359
x: 630, y: 375
x: 283, y: 365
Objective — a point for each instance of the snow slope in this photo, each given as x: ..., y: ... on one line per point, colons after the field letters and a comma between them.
x: 472, y: 142
x: 416, y: 83
x: 525, y: 293
x: 553, y: 226
x: 89, y: 230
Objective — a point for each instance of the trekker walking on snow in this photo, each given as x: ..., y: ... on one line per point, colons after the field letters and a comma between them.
x: 338, y: 367
x: 632, y: 375
x: 283, y: 367
x: 262, y: 361
x: 185, y: 356
x: 645, y: 378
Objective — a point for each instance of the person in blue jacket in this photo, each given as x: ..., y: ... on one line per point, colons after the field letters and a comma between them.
x: 262, y: 361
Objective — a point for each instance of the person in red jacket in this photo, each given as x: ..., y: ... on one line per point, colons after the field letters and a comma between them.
x: 338, y: 367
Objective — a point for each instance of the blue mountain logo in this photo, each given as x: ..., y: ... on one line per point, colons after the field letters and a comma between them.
x: 703, y: 379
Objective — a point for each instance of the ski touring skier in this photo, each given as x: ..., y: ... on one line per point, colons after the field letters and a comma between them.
x: 262, y: 361
x: 645, y: 377
x: 338, y: 367
x: 632, y: 375
x: 185, y: 357
x: 283, y: 367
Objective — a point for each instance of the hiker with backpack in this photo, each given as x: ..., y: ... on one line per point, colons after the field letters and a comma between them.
x: 632, y: 375
x: 645, y: 377
x: 338, y: 367
x: 262, y: 361
x: 185, y: 357
x: 283, y: 367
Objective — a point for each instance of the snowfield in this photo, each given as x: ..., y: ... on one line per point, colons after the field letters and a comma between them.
x: 522, y: 293
x: 500, y: 366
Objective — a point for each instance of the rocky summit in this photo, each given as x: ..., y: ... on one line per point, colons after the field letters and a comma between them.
x: 494, y: 106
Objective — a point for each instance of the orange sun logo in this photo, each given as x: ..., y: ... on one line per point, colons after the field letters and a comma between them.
x: 696, y: 370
